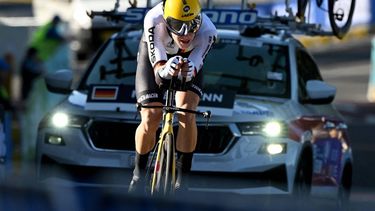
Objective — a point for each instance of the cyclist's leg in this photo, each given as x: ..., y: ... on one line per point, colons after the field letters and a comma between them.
x: 148, y: 93
x: 144, y: 142
x: 187, y: 133
x: 183, y: 166
x: 186, y: 138
x: 139, y: 173
x: 146, y: 130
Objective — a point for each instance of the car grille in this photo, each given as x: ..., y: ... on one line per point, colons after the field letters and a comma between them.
x: 110, y: 135
x: 214, y: 139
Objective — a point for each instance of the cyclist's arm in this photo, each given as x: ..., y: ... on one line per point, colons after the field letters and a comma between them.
x: 153, y: 30
x: 159, y: 65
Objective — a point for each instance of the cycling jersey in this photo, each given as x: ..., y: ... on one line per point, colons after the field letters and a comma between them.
x: 160, y: 43
x: 157, y: 45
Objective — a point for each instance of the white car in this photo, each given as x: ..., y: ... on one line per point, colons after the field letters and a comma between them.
x: 273, y: 129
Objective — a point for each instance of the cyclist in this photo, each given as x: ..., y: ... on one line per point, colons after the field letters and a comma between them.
x: 173, y: 29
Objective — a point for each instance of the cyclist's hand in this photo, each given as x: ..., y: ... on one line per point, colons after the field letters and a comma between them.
x: 170, y: 68
x: 189, y: 70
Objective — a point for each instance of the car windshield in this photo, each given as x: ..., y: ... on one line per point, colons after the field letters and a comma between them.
x: 115, y: 64
x: 261, y: 70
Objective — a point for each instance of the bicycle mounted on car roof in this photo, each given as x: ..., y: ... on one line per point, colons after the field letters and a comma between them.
x: 340, y: 14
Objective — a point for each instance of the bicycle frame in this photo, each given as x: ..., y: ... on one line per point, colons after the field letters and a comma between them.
x: 166, y: 139
x: 167, y: 128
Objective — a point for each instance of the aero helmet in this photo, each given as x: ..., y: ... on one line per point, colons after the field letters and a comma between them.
x: 182, y: 16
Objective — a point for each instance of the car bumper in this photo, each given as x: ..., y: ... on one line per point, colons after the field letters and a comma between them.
x: 239, y: 168
x: 245, y: 169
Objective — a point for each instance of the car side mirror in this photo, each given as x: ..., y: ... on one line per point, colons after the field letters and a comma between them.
x: 59, y: 82
x: 320, y: 92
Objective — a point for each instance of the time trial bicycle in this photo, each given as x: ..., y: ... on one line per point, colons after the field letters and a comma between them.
x: 161, y: 168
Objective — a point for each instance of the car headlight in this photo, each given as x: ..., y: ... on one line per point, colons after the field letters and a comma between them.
x: 273, y: 148
x: 63, y: 120
x: 272, y: 129
x: 268, y: 129
x: 60, y: 120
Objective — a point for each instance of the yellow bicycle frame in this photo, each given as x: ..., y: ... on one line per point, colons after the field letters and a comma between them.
x: 167, y: 129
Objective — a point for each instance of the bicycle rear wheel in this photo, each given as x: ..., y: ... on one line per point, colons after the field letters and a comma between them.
x: 340, y: 14
x: 163, y: 178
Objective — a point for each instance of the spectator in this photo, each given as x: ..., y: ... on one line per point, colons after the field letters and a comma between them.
x: 48, y: 38
x: 5, y: 99
x: 31, y: 68
x: 5, y: 105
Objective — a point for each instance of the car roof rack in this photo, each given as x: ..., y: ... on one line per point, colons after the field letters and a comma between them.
x: 274, y: 24
x: 280, y: 24
x: 285, y: 25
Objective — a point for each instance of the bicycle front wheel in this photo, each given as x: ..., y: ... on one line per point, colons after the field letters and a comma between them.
x: 164, y: 169
x: 340, y: 14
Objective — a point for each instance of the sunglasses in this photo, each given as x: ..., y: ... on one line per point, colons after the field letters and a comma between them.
x: 183, y: 27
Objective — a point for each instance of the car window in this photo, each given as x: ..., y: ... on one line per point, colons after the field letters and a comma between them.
x: 307, y: 70
x: 116, y: 64
x: 248, y: 70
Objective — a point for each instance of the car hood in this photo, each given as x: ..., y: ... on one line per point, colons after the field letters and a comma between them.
x: 244, y: 109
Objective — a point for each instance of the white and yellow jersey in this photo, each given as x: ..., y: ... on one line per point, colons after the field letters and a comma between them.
x: 160, y: 43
